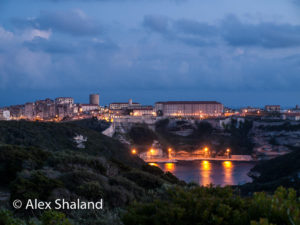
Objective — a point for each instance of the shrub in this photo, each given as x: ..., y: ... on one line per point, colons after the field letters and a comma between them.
x: 54, y: 218
x: 216, y: 206
x: 145, y: 180
x: 37, y: 186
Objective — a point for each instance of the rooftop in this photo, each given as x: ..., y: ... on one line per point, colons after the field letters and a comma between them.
x: 189, y: 102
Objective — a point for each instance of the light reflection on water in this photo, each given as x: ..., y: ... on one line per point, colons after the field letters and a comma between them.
x: 210, y: 172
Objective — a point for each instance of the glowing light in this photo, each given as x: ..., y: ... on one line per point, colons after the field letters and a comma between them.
x: 133, y: 151
x: 169, y: 150
x: 205, y: 173
x: 228, y: 172
x: 170, y: 167
x: 227, y: 164
x: 152, y: 151
x: 153, y: 164
x: 206, y: 149
x: 228, y: 150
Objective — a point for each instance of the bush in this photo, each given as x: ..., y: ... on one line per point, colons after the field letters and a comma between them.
x: 143, y: 179
x: 37, y: 186
x: 91, y: 191
x: 14, y: 158
x: 54, y: 218
x: 216, y: 206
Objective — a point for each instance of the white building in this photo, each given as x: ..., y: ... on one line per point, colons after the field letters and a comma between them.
x: 64, y: 101
x: 189, y: 108
x: 88, y: 107
x: 4, y: 114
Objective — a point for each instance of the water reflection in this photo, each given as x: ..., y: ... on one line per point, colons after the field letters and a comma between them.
x: 205, y: 173
x: 170, y: 167
x: 153, y: 164
x: 228, y: 172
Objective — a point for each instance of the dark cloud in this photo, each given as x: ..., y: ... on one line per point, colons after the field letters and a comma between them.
x: 69, y: 47
x: 71, y: 22
x: 231, y: 30
x: 53, y: 47
x: 195, y: 28
x: 156, y: 23
x: 268, y: 35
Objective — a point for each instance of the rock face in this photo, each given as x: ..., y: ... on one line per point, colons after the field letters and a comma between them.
x: 275, y: 138
x: 80, y: 141
x: 267, y: 138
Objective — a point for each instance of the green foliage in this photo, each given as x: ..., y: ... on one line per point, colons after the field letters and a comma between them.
x: 73, y: 160
x: 54, y: 218
x: 7, y: 218
x: 141, y: 135
x: 281, y: 171
x: 152, y: 169
x: 216, y: 206
x: 91, y: 190
x: 93, y: 124
x: 240, y: 140
x: 143, y: 179
x: 36, y: 186
x: 204, y: 129
x: 262, y: 221
x: 14, y: 158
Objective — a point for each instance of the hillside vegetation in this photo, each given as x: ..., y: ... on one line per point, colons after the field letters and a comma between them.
x: 42, y: 161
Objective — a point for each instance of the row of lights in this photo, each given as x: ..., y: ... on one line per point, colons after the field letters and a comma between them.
x: 134, y: 151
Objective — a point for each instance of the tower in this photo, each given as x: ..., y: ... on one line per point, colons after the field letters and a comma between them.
x: 94, y: 99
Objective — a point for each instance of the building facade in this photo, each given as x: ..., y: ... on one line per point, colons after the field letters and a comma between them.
x: 64, y: 101
x: 123, y: 105
x: 272, y: 108
x: 189, y: 108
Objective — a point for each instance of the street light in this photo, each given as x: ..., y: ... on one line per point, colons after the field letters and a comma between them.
x: 133, y: 151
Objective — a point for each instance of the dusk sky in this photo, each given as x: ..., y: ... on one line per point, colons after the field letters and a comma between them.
x: 237, y: 52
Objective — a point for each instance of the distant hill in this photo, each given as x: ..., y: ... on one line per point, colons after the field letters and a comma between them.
x: 281, y: 171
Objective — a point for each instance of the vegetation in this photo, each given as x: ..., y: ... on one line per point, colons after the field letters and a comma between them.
x: 281, y: 171
x: 41, y: 161
x: 141, y: 135
x: 209, y: 205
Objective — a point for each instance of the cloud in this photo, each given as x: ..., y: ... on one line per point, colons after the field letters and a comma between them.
x: 231, y: 30
x: 195, y: 28
x: 267, y: 35
x: 74, y: 22
x: 156, y: 23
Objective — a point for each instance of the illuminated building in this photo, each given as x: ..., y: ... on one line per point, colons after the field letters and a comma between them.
x: 272, y: 108
x: 64, y: 100
x: 142, y: 111
x: 189, y: 108
x: 122, y: 105
x: 4, y: 114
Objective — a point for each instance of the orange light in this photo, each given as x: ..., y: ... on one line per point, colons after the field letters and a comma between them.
x: 151, y: 151
x: 170, y: 167
x: 133, y: 151
x: 227, y: 164
x: 153, y: 164
x: 169, y: 149
x: 228, y: 150
x: 205, y: 149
